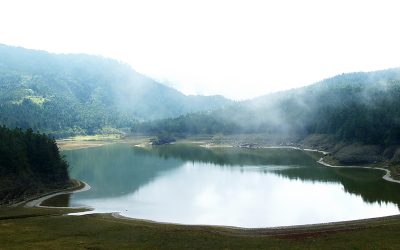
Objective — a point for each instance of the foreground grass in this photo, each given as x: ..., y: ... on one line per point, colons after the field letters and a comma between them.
x: 41, y: 228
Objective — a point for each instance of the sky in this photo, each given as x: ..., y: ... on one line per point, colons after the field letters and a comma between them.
x: 239, y: 49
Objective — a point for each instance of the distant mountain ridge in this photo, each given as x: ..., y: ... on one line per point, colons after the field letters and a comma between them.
x: 78, y: 93
x: 362, y: 107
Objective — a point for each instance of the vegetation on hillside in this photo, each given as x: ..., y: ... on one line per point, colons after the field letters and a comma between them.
x: 357, y: 107
x: 162, y: 139
x: 81, y: 94
x: 29, y: 163
x: 343, y: 115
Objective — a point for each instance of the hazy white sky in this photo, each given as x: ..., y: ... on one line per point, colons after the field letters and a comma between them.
x: 239, y: 49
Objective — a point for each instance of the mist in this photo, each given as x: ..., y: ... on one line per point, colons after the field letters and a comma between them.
x: 237, y: 49
x: 66, y: 94
x: 353, y: 108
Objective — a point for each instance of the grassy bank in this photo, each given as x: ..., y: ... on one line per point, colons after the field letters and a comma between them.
x: 40, y: 230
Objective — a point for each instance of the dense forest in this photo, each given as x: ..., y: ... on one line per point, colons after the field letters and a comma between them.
x: 29, y: 163
x: 356, y: 107
x: 66, y: 94
x: 80, y: 94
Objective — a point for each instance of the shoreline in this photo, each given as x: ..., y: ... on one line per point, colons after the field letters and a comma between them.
x: 284, y: 230
x: 76, y: 184
x: 36, y: 200
x: 211, y: 145
x: 69, y: 144
x: 337, y: 225
x: 321, y: 161
x: 386, y: 177
x: 82, y: 143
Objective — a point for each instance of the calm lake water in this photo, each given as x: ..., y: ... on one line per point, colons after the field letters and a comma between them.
x: 226, y: 186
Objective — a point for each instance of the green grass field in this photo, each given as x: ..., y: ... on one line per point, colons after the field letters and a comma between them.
x: 44, y: 228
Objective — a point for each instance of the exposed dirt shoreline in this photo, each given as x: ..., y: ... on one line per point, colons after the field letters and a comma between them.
x: 81, y: 186
x: 72, y: 144
x: 36, y: 200
x: 386, y: 177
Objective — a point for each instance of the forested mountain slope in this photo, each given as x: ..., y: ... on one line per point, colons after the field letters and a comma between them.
x: 30, y: 163
x: 356, y: 107
x: 77, y: 93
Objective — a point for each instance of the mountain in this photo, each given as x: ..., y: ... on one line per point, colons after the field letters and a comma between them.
x: 77, y: 93
x: 356, y: 108
x: 360, y: 107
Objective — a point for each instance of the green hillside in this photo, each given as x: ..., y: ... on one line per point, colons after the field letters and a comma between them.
x: 351, y: 108
x: 69, y: 94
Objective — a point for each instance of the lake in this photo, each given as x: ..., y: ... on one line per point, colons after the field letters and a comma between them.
x: 225, y: 186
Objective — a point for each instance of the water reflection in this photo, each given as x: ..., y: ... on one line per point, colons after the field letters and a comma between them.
x: 116, y: 169
x: 227, y: 186
x: 236, y: 156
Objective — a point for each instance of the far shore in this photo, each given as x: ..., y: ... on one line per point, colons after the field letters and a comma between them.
x: 80, y: 142
x: 386, y: 177
x: 321, y: 161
